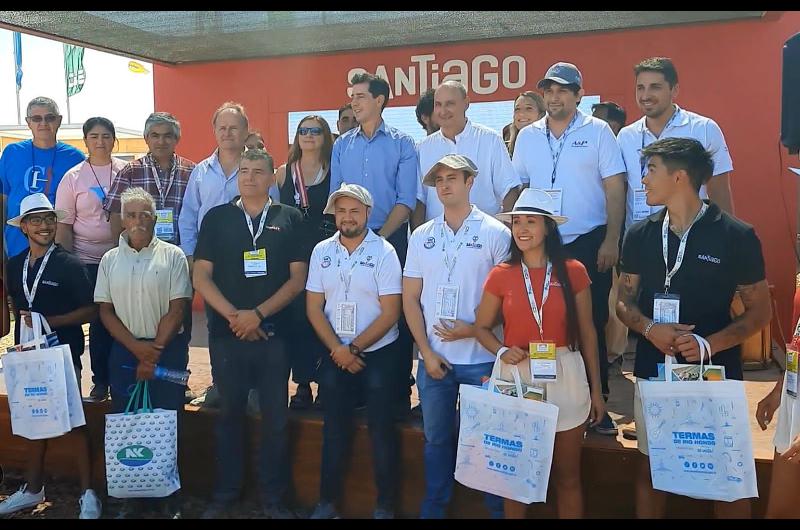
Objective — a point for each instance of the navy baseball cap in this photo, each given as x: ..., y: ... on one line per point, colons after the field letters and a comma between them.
x: 563, y: 74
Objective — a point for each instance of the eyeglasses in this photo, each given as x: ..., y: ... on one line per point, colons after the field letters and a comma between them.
x: 37, y: 220
x: 48, y: 118
x: 313, y: 131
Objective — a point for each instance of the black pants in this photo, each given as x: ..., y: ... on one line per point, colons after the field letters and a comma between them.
x: 340, y: 398
x: 584, y: 249
x: 405, y: 342
x: 306, y: 348
x: 240, y: 366
x: 100, y: 340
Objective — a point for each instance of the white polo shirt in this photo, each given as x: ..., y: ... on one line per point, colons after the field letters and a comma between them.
x: 590, y: 154
x: 496, y: 176
x: 487, y: 246
x: 376, y: 273
x: 685, y: 124
x: 142, y: 284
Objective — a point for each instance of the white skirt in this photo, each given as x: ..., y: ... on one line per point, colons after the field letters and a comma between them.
x: 570, y: 392
x: 788, y: 420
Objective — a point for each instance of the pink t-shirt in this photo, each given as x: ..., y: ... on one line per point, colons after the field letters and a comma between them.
x: 81, y: 194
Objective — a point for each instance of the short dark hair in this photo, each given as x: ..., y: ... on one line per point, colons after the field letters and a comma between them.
x: 571, y: 86
x: 661, y: 65
x: 613, y: 111
x: 91, y: 123
x: 346, y: 106
x: 683, y: 153
x: 258, y: 154
x: 425, y: 105
x: 377, y: 86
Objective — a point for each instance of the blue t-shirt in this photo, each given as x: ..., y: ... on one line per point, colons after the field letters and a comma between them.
x: 24, y: 170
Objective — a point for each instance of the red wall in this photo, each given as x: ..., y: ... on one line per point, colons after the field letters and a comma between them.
x: 729, y: 71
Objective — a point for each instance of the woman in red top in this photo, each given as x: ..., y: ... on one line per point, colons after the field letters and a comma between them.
x: 786, y: 461
x: 546, y: 306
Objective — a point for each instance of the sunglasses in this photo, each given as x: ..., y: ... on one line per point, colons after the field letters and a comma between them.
x: 48, y: 118
x: 313, y: 131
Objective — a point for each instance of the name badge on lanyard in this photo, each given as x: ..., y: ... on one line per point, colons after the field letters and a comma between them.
x: 641, y: 210
x: 447, y: 293
x: 165, y: 224
x: 791, y: 372
x: 346, y: 312
x: 542, y: 352
x: 666, y: 306
x: 345, y: 325
x: 255, y: 261
x: 556, y: 194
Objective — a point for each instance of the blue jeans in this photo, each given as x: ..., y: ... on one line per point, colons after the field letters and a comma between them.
x: 440, y: 420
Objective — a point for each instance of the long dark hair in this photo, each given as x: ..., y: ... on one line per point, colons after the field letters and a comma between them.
x: 554, y: 248
x: 295, y: 152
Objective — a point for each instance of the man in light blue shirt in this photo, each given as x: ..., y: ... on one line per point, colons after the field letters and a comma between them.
x: 214, y: 180
x: 380, y: 158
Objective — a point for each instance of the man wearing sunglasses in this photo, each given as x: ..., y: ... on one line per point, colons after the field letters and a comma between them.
x: 33, y: 166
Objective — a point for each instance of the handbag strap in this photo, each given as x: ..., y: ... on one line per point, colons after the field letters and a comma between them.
x: 496, y: 372
x: 705, y: 350
x: 130, y: 409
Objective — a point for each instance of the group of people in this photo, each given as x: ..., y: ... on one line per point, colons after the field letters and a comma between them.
x: 394, y: 243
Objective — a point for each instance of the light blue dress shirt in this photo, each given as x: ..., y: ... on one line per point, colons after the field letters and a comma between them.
x: 385, y: 164
x: 208, y: 187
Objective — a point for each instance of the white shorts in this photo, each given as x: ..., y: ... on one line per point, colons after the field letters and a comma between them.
x: 788, y: 421
x: 638, y: 418
x: 570, y: 392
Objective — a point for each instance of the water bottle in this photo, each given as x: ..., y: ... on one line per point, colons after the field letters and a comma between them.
x: 179, y: 377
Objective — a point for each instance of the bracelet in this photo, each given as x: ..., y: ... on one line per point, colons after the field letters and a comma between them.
x: 259, y: 314
x: 649, y: 327
x: 501, y: 350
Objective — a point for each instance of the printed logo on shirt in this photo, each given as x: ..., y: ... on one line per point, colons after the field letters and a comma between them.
x: 554, y: 283
x: 326, y: 262
x: 367, y: 262
x: 37, y: 179
x: 580, y: 143
x: 430, y: 243
x: 474, y: 244
x: 275, y: 228
x: 710, y: 259
x: 50, y: 283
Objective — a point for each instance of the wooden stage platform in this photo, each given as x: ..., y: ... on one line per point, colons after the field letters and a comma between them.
x: 608, y: 463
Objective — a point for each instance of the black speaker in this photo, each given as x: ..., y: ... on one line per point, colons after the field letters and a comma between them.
x: 790, y: 95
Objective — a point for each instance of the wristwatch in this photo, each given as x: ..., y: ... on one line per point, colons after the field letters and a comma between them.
x: 259, y: 314
x: 355, y: 350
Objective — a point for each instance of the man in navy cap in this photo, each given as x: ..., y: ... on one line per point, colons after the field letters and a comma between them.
x: 576, y: 159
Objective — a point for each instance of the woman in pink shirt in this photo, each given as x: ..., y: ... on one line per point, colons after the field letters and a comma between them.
x: 86, y: 231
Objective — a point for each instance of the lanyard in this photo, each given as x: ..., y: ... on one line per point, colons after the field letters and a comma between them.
x: 450, y: 265
x: 162, y: 193
x: 353, y: 261
x: 642, y: 161
x: 31, y: 294
x: 538, y: 314
x: 102, y: 189
x: 556, y: 155
x: 300, y: 189
x: 250, y: 221
x: 681, y: 246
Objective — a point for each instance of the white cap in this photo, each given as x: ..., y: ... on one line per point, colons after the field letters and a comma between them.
x: 359, y: 193
x: 36, y: 202
x: 533, y: 202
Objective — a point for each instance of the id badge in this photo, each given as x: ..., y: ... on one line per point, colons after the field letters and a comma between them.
x: 165, y: 227
x: 255, y: 263
x: 556, y: 195
x: 345, y: 319
x: 791, y: 372
x: 641, y: 209
x: 447, y: 302
x: 543, y: 361
x: 666, y: 308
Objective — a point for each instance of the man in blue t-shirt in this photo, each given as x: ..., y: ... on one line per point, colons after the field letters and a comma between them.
x: 33, y: 166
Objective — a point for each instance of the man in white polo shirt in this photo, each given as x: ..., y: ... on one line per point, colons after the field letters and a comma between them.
x: 498, y: 187
x: 448, y: 259
x: 576, y: 159
x: 353, y: 303
x: 656, y: 90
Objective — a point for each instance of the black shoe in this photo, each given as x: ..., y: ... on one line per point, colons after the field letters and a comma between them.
x: 416, y: 412
x: 303, y: 398
x: 98, y: 393
x: 172, y: 507
x: 606, y: 426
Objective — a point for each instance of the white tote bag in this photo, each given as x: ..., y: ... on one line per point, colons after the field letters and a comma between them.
x: 141, y: 449
x: 37, y: 393
x: 699, y: 438
x: 505, y: 443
